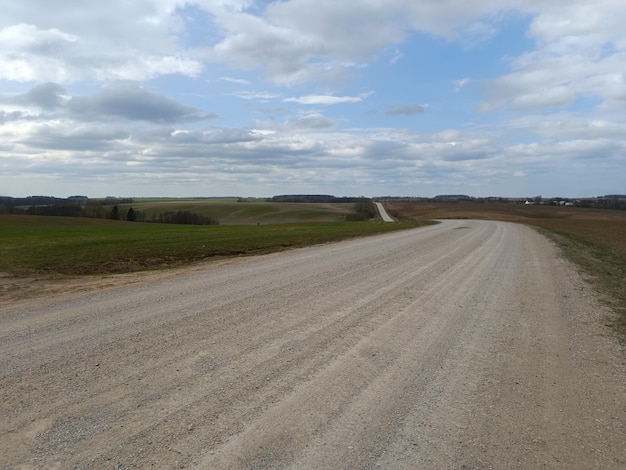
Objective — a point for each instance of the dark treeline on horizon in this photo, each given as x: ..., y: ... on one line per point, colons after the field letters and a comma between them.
x: 82, y: 206
x: 106, y: 208
x: 319, y: 198
x: 51, y: 200
x: 73, y: 206
x: 611, y: 201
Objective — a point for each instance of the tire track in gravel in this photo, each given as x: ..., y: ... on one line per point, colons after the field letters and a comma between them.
x: 463, y: 344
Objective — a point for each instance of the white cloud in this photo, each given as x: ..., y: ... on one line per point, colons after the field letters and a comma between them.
x: 299, y: 154
x: 256, y: 95
x: 129, y: 101
x: 302, y: 40
x: 563, y: 126
x: 459, y: 84
x: 558, y: 96
x: 64, y: 136
x: 26, y: 38
x: 581, y: 49
x: 327, y: 99
x: 106, y: 41
x: 569, y: 26
x: 315, y: 121
x: 407, y: 110
x: 396, y: 56
x: 30, y: 54
x: 126, y: 101
x: 237, y: 81
x: 48, y: 96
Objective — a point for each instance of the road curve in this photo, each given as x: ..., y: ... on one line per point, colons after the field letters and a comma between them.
x: 469, y: 344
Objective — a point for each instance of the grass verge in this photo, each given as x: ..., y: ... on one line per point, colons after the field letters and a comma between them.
x: 602, y: 262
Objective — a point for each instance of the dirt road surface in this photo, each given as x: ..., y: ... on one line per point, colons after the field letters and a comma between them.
x: 467, y: 345
x: 383, y: 212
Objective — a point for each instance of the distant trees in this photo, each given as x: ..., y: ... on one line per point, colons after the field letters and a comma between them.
x: 63, y: 210
x: 364, y: 209
x: 169, y: 217
x: 183, y: 217
x: 115, y: 212
x: 314, y: 198
x: 131, y: 215
x: 81, y: 206
x: 452, y: 198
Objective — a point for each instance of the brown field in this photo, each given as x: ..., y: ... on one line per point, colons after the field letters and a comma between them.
x: 594, y: 239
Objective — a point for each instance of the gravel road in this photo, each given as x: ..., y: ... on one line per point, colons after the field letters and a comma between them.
x: 469, y: 344
x: 383, y: 212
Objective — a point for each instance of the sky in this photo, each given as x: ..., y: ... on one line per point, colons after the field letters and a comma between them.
x: 207, y: 98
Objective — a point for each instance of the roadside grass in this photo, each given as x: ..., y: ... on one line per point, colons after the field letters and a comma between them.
x: 599, y: 248
x: 593, y: 239
x: 34, y: 245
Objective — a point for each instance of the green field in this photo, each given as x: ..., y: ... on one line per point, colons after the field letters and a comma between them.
x: 231, y: 212
x: 35, y: 245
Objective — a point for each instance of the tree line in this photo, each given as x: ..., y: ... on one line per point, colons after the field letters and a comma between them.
x: 108, y: 208
x: 364, y: 209
x: 169, y: 217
